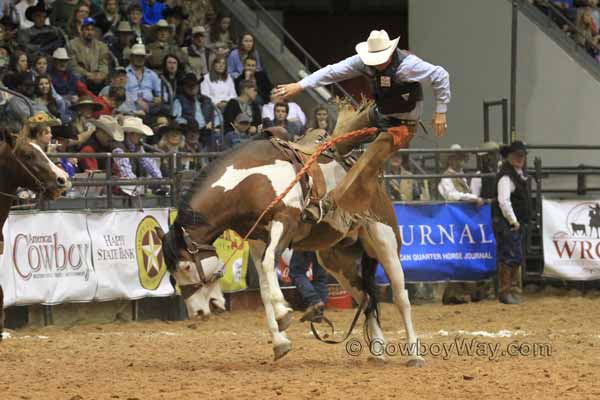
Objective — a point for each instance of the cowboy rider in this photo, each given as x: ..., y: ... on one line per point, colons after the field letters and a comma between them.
x: 395, y: 76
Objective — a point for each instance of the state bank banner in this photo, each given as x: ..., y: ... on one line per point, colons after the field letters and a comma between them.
x: 571, y: 239
x: 48, y: 257
x: 445, y: 242
x: 128, y: 254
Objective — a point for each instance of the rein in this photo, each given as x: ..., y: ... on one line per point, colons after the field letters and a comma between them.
x: 328, y: 322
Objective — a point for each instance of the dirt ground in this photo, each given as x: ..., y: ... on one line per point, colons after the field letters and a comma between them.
x: 229, y: 357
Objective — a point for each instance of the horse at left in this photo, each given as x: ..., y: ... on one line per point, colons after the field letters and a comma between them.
x: 25, y: 164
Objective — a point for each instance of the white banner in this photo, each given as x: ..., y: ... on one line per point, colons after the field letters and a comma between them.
x: 127, y: 254
x: 56, y: 257
x: 571, y: 239
x: 50, y: 255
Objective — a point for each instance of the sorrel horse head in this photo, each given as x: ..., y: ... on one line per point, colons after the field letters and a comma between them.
x: 24, y: 164
x: 235, y: 190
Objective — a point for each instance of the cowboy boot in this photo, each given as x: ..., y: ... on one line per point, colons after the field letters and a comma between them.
x: 505, y: 296
x: 516, y: 282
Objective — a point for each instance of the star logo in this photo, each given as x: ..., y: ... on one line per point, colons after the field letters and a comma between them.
x: 151, y: 263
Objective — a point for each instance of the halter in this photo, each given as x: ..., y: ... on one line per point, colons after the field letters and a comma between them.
x: 42, y: 188
x: 193, y: 248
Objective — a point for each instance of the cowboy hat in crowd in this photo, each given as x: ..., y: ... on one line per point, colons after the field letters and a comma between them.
x: 136, y: 125
x: 110, y: 125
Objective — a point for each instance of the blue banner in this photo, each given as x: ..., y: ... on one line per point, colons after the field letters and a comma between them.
x: 452, y: 241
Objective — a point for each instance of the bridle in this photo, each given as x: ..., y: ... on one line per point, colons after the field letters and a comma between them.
x: 42, y: 188
x: 194, y: 248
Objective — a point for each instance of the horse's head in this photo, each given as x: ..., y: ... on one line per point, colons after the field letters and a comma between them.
x: 197, y: 270
x: 28, y: 166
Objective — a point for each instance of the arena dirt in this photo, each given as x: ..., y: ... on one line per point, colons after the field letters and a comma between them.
x: 229, y: 357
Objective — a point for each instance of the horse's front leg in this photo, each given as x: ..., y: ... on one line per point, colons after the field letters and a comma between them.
x: 283, y: 313
x: 281, y: 344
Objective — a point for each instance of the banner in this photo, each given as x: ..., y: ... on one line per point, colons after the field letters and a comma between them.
x: 128, y: 255
x: 234, y: 253
x: 445, y: 242
x: 571, y: 239
x: 49, y: 256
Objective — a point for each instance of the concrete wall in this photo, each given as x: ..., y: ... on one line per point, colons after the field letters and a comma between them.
x: 557, y: 99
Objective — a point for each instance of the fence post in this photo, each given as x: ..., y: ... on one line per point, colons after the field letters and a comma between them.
x: 581, y: 181
x: 109, y: 194
x: 174, y: 172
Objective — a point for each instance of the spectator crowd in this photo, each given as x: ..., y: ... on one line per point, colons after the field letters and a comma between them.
x: 131, y: 76
x: 580, y: 19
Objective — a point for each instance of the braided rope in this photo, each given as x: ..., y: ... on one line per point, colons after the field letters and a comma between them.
x: 313, y: 158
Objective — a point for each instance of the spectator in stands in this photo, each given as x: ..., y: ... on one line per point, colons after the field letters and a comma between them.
x: 118, y: 78
x: 282, y: 111
x: 295, y: 114
x: 143, y: 84
x: 239, y: 133
x: 40, y: 37
x: 163, y: 46
x: 40, y: 129
x: 19, y: 66
x: 457, y: 189
x: 237, y: 57
x: 244, y: 103
x: 4, y: 61
x: 20, y: 108
x: 192, y: 145
x: 171, y: 141
x: 320, y: 119
x: 64, y: 81
x: 131, y: 168
x: 172, y: 73
x: 40, y: 65
x: 218, y: 85
x: 62, y: 12
x: 83, y: 111
x: 108, y: 20
x: 152, y: 11
x: 587, y: 30
x: 43, y: 96
x: 21, y: 9
x: 75, y: 25
x: 176, y: 17
x: 221, y: 33
x: 488, y: 161
x: 121, y: 43
x: 112, y: 101
x: 402, y: 189
x: 5, y: 40
x: 314, y: 292
x: 260, y: 78
x: 108, y: 131
x: 134, y: 14
x: 200, y: 12
x: 192, y: 107
x: 199, y: 54
x: 91, y: 57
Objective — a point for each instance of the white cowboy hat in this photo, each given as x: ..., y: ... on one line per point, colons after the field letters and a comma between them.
x: 139, y: 50
x: 110, y: 125
x: 136, y: 125
x: 377, y: 49
x: 61, y: 54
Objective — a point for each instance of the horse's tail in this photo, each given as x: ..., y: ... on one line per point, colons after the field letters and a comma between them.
x: 369, y: 267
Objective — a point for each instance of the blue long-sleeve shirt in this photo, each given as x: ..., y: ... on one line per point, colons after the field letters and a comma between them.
x: 412, y: 69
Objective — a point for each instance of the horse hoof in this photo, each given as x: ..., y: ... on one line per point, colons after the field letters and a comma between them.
x: 376, y: 360
x: 281, y: 350
x: 415, y: 363
x: 284, y: 322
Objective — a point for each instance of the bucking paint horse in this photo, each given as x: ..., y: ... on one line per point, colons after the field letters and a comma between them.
x: 360, y: 224
x: 24, y: 164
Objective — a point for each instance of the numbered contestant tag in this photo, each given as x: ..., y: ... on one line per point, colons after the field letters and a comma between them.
x: 386, y: 81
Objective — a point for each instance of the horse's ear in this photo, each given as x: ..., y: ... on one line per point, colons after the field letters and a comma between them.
x: 160, y: 233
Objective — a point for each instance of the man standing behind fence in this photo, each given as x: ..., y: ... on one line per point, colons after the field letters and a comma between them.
x: 512, y: 211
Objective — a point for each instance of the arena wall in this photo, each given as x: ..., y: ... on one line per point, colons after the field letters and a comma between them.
x: 556, y: 97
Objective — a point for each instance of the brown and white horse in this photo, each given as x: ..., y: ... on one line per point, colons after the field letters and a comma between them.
x: 234, y: 190
x: 24, y: 164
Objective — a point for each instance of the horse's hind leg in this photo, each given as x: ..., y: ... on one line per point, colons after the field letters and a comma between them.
x: 342, y: 264
x: 281, y: 344
x: 382, y: 241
